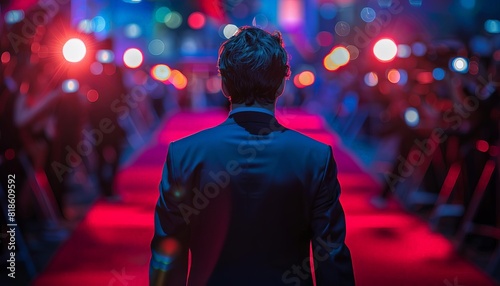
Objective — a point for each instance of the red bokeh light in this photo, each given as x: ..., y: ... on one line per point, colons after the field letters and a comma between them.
x: 324, y: 39
x: 196, y: 20
x: 92, y: 95
x: 5, y: 57
x: 482, y: 146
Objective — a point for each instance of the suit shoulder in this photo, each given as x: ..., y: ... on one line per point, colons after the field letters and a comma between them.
x: 306, y: 141
x: 200, y: 137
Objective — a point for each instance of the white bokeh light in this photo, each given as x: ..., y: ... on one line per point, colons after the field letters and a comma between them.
x: 132, y: 58
x: 74, y: 50
x: 385, y: 50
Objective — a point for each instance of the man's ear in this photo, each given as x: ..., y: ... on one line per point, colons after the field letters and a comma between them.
x: 280, y: 89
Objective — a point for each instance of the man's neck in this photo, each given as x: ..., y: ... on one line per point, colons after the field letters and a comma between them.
x: 269, y: 107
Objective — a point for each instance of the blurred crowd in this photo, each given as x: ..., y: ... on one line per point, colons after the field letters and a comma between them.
x: 65, y: 128
x: 430, y: 135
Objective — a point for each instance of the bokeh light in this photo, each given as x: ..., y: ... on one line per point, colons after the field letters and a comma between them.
x: 482, y: 146
x: 460, y: 65
x: 85, y: 26
x: 296, y: 82
x: 5, y: 58
x: 133, y: 31
x: 306, y: 78
x: 418, y: 49
x: 393, y: 76
x: 371, y: 79
x: 404, y: 51
x: 160, y: 72
x: 70, y: 85
x: 173, y: 20
x: 260, y: 21
x: 339, y: 56
x: 368, y: 14
x: 353, y: 52
x: 492, y: 26
x: 328, y: 10
x: 98, y: 24
x: 438, y: 73
x: 132, y: 58
x: 177, y: 79
x: 161, y: 13
x: 74, y: 50
x: 92, y: 95
x: 411, y: 117
x: 342, y: 28
x: 156, y: 47
x: 14, y: 16
x: 105, y: 56
x: 229, y: 30
x: 403, y: 77
x: 324, y: 39
x: 425, y: 77
x: 196, y: 20
x: 96, y: 68
x: 385, y: 50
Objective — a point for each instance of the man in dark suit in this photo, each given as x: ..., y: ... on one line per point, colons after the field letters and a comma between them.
x: 244, y: 200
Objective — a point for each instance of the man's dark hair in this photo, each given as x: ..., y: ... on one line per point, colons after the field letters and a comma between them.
x: 253, y: 63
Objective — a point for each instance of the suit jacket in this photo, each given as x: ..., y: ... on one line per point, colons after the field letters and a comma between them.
x: 243, y: 201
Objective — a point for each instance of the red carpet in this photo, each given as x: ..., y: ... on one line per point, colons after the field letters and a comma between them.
x: 390, y: 247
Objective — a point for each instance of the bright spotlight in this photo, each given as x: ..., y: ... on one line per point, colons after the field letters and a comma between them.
x: 74, y: 50
x: 385, y: 50
x: 460, y: 65
x: 411, y: 117
x: 132, y: 58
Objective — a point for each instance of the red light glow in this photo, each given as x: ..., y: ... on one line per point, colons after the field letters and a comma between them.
x: 482, y: 146
x: 196, y: 20
x: 92, y: 95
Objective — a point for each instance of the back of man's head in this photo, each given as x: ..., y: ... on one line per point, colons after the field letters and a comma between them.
x: 253, y: 64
